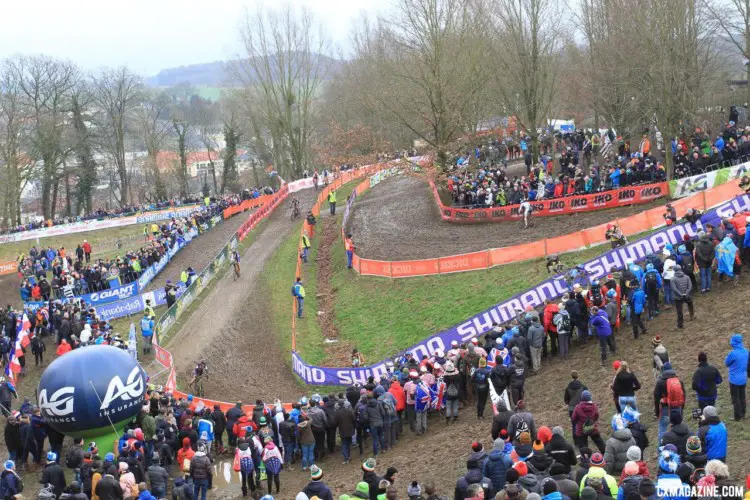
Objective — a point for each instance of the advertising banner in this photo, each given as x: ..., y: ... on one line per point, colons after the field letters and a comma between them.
x: 559, y: 206
x: 681, y: 188
x: 506, y: 310
x: 8, y: 267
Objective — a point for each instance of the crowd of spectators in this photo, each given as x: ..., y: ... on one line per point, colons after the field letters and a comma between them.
x: 74, y: 273
x: 582, y: 162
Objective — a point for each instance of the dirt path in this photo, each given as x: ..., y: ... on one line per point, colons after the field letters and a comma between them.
x: 399, y: 220
x: 232, y: 330
x: 199, y: 253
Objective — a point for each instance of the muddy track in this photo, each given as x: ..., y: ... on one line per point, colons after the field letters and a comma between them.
x: 232, y: 327
x: 399, y: 220
x: 200, y: 252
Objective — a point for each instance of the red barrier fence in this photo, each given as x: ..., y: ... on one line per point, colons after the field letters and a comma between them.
x: 485, y: 259
x: 632, y: 195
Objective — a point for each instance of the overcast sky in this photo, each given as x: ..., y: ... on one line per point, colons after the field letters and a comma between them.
x: 149, y: 35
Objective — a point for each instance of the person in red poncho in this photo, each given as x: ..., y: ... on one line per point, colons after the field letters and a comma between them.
x: 63, y: 347
x: 550, y: 309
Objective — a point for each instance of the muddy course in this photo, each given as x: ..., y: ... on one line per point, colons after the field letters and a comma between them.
x: 399, y: 220
x: 231, y: 327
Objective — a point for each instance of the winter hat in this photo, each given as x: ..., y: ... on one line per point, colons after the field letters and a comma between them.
x: 549, y: 486
x: 524, y: 438
x: 666, y: 366
x: 558, y: 431
x: 588, y: 493
x: 675, y: 417
x: 668, y: 461
x: 123, y: 466
x: 656, y: 341
x: 521, y: 468
x: 538, y: 446
x: 685, y: 470
x: 498, y: 445
x: 586, y: 396
x: 702, y: 357
x: 316, y: 473
x: 634, y: 454
x: 544, y: 434
x: 301, y: 496
x: 482, y: 362
x: 109, y: 457
x: 709, y: 411
x: 616, y: 365
x: 647, y: 488
x: 9, y: 464
x: 51, y: 456
x: 693, y: 445
x: 512, y: 475
x: 414, y: 489
x: 631, y: 468
x: 369, y: 465
x: 597, y: 460
x: 669, y: 447
x: 521, y: 405
x: 363, y: 488
x: 476, y: 446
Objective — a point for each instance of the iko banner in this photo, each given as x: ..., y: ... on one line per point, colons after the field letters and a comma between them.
x: 535, y: 297
x: 559, y: 206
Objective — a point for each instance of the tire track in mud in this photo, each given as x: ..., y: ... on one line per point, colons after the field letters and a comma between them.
x: 232, y: 327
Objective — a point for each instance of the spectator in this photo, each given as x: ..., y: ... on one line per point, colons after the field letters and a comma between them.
x: 713, y: 435
x: 705, y: 381
x: 737, y: 363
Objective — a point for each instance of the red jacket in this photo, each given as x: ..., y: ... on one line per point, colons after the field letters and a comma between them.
x: 87, y: 247
x: 585, y: 410
x: 63, y: 348
x: 399, y: 395
x: 558, y: 190
x: 549, y: 313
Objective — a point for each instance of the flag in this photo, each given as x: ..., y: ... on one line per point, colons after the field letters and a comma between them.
x: 171, y: 384
x: 132, y: 342
x: 726, y: 252
x: 423, y: 398
x: 607, y: 146
x: 438, y: 395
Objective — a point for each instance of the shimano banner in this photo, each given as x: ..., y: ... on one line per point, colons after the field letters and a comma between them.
x: 535, y: 297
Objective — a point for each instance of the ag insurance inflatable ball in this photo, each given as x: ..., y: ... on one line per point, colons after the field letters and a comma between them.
x: 87, y: 391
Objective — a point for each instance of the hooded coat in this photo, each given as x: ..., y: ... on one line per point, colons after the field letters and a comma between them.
x: 736, y: 361
x: 495, y: 467
x: 616, y: 450
x: 562, y: 452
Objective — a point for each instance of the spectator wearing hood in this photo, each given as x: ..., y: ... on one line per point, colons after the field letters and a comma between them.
x: 713, y: 435
x: 586, y: 423
x: 500, y: 420
x: 561, y: 451
x: 535, y: 336
x: 737, y: 363
x: 677, y: 435
x: 617, y: 446
x: 603, y: 330
x: 539, y: 463
x: 563, y: 329
x: 704, y: 257
x: 521, y: 421
x: 682, y: 290
x: 705, y: 381
x: 497, y: 464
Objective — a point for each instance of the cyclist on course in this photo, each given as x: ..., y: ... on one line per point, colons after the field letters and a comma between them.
x: 525, y: 210
x: 615, y: 236
x: 200, y: 371
x: 295, y: 208
x: 235, y: 260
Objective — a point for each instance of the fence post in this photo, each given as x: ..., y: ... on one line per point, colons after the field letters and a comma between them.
x: 545, y: 247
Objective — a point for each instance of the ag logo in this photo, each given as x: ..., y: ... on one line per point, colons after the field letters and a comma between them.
x: 132, y: 389
x: 60, y: 404
x: 690, y: 186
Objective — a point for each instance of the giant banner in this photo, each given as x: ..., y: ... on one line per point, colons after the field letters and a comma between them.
x: 534, y: 297
x: 632, y: 195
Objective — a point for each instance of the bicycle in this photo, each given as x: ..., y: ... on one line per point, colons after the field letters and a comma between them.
x: 296, y: 212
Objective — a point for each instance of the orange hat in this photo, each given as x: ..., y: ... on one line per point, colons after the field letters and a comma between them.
x: 616, y: 365
x: 521, y: 468
x: 538, y: 446
x: 544, y: 434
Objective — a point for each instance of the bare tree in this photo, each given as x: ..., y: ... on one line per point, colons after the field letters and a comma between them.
x: 116, y: 95
x: 208, y: 126
x: 529, y: 42
x: 15, y: 137
x: 424, y: 68
x: 152, y: 120
x: 733, y: 20
x: 283, y: 66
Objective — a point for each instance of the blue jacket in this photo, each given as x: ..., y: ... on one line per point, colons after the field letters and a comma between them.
x: 672, y: 484
x: 555, y: 495
x: 746, y: 241
x: 600, y: 324
x: 713, y: 436
x: 736, y: 361
x: 147, y: 327
x: 638, y: 299
x: 495, y: 467
x: 637, y: 271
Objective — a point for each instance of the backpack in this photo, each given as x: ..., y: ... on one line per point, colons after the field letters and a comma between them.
x: 589, y: 427
x: 687, y: 262
x: 541, y: 475
x: 362, y: 416
x: 452, y: 391
x: 390, y: 410
x: 566, y: 325
x: 596, y: 295
x: 605, y: 491
x: 675, y: 395
x: 73, y: 458
x: 520, y: 429
x: 651, y: 281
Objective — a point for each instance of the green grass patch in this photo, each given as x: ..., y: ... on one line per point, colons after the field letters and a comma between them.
x: 103, y: 242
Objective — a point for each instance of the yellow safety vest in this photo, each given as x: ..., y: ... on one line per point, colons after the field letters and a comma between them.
x: 305, y: 241
x: 332, y: 197
x: 207, y: 200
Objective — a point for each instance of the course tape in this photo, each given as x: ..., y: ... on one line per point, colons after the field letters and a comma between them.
x: 551, y: 288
